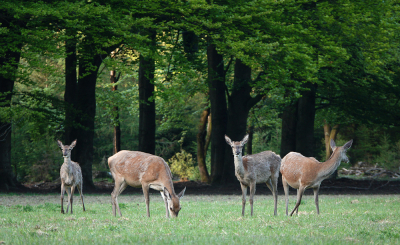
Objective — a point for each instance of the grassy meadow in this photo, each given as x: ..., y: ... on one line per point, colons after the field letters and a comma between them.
x: 214, y: 219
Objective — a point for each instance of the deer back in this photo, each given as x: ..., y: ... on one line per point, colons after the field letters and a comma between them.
x: 136, y: 167
x: 296, y: 167
x: 262, y: 165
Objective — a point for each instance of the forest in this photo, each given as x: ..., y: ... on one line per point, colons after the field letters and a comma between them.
x: 172, y: 78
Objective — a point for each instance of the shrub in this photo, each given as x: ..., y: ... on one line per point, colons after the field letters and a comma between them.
x: 389, y: 156
x: 182, y: 165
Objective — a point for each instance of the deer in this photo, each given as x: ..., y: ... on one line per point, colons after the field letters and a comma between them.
x: 140, y: 169
x: 254, y: 169
x: 70, y: 175
x: 302, y: 172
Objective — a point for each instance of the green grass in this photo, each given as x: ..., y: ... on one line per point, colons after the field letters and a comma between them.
x: 36, y: 219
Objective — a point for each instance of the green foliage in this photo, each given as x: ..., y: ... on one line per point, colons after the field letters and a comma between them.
x: 35, y: 159
x: 182, y: 165
x: 372, y: 145
x: 350, y: 48
x: 389, y: 154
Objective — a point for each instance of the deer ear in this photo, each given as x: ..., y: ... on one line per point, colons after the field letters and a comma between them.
x: 60, y: 144
x: 180, y: 195
x: 333, y: 145
x: 166, y: 193
x: 245, y: 139
x: 73, y: 144
x: 348, y: 144
x: 228, y: 140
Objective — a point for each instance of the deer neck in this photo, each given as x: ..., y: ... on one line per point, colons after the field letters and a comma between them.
x: 239, y: 169
x: 328, y: 167
x: 68, y: 163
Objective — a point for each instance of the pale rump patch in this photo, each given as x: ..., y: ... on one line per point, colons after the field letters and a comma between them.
x: 139, y: 169
x: 262, y: 167
x: 302, y: 172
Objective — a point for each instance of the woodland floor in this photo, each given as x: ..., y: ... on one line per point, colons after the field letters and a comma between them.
x: 340, y: 186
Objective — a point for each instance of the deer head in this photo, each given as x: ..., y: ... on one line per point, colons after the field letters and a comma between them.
x: 174, y: 205
x: 237, y: 146
x: 342, y: 149
x: 66, y: 149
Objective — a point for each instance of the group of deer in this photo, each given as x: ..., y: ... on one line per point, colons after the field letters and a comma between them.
x: 139, y: 169
x: 134, y: 168
x: 297, y: 171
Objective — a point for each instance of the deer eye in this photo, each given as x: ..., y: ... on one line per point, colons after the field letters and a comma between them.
x: 170, y: 209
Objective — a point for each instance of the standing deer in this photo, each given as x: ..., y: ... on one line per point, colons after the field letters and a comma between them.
x: 71, y: 176
x: 137, y: 169
x: 302, y: 172
x: 250, y: 170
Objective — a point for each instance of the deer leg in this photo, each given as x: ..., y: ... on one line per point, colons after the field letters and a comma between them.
x: 300, y: 192
x: 269, y: 184
x: 62, y: 197
x: 121, y: 189
x: 274, y: 185
x: 286, y: 189
x: 69, y: 197
x: 72, y: 196
x: 80, y: 193
x: 146, y: 188
x: 252, y: 192
x: 316, y: 190
x: 114, y: 195
x: 297, y: 210
x: 244, y: 193
x: 166, y: 203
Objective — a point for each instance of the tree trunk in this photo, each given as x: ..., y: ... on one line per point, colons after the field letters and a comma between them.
x: 201, y: 150
x: 208, y: 136
x: 289, y: 118
x: 298, y: 125
x: 87, y: 108
x: 7, y: 177
x: 240, y: 103
x: 71, y: 93
x: 147, y: 106
x: 190, y: 43
x: 9, y: 65
x: 334, y: 132
x: 305, y: 123
x: 327, y: 134
x: 216, y: 84
x: 330, y: 133
x: 117, y: 128
x: 249, y: 148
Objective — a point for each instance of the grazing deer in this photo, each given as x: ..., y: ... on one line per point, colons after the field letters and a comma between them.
x: 302, y: 172
x: 135, y: 168
x: 250, y: 170
x: 71, y: 176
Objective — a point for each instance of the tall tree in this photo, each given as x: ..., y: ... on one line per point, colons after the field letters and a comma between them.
x: 87, y: 45
x: 240, y: 101
x: 71, y: 88
x: 202, y: 146
x: 147, y: 108
x: 216, y: 84
x: 117, y: 126
x: 87, y: 111
x: 11, y: 42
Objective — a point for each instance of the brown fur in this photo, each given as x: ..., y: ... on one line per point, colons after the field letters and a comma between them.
x: 302, y: 172
x: 139, y: 169
x: 254, y: 169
